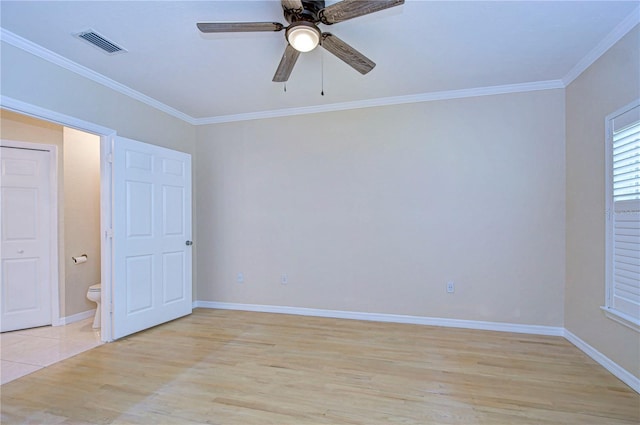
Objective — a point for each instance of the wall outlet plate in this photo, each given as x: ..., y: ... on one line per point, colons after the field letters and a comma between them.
x: 451, y: 288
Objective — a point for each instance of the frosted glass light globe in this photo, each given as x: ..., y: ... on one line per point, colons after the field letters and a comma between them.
x: 303, y: 38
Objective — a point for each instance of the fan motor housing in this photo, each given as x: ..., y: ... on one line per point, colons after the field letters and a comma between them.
x: 309, y: 12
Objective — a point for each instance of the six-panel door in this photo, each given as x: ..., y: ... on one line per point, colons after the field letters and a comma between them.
x: 25, y: 294
x: 152, y: 225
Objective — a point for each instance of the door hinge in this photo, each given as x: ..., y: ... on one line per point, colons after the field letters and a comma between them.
x: 109, y: 233
x: 110, y: 158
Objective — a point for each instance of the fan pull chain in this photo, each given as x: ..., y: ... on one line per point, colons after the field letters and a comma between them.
x: 285, y: 86
x: 322, y: 72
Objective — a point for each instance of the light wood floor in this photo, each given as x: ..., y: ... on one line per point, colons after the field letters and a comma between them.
x: 228, y: 367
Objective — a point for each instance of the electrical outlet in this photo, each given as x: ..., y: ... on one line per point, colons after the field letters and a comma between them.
x: 240, y: 278
x: 284, y: 279
x: 451, y: 287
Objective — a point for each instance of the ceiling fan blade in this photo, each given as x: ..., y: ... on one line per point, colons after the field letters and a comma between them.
x: 346, y: 53
x: 292, y: 5
x: 349, y: 9
x: 239, y: 26
x: 287, y: 62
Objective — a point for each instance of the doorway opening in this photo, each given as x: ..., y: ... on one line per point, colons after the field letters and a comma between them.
x: 75, y: 207
x: 158, y: 192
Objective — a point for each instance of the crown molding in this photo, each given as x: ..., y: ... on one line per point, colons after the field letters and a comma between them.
x: 39, y: 51
x: 387, y: 101
x: 612, y: 38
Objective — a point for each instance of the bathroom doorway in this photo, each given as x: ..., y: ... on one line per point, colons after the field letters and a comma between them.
x: 80, y: 238
x: 111, y: 233
x: 76, y: 167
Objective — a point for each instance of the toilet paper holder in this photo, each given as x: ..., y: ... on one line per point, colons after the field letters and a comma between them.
x: 80, y: 259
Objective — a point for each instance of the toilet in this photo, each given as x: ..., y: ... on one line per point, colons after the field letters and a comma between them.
x: 93, y: 294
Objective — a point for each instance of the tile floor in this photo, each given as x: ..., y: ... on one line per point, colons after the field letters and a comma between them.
x: 26, y: 351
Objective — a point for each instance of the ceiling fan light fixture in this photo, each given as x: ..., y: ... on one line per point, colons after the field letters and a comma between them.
x: 303, y: 36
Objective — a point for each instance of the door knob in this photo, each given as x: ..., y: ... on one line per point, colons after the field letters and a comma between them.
x: 21, y: 251
x: 188, y: 243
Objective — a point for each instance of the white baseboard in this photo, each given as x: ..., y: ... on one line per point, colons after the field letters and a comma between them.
x: 626, y: 377
x: 392, y: 318
x: 76, y: 317
x: 604, y: 361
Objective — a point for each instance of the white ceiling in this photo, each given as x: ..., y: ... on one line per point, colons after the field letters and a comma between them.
x: 420, y: 47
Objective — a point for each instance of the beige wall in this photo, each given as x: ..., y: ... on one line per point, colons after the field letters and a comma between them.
x: 82, y: 217
x: 26, y: 129
x: 78, y: 202
x: 609, y: 84
x: 374, y: 210
x: 33, y: 80
x: 29, y: 79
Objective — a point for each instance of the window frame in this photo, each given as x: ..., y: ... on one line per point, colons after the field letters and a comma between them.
x: 608, y: 309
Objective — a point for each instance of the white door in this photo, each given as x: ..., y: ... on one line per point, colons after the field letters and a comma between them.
x: 25, y: 237
x: 152, y: 236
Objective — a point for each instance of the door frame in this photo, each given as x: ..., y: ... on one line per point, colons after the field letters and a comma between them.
x: 54, y: 282
x: 107, y: 138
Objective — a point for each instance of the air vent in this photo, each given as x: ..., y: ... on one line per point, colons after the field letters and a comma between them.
x: 99, y: 41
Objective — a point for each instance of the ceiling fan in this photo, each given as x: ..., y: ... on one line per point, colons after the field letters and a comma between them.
x: 303, y: 34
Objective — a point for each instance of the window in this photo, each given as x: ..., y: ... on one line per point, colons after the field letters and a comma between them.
x: 623, y: 216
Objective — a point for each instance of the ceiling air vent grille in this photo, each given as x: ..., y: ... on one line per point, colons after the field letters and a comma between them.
x: 99, y: 41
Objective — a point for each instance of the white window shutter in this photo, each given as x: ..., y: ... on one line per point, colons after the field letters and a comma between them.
x: 625, y: 282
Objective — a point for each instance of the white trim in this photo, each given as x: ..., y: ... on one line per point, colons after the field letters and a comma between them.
x: 601, y: 48
x: 46, y: 54
x: 106, y: 236
x: 106, y: 202
x: 613, y: 37
x: 34, y: 111
x: 604, y: 361
x: 39, y: 51
x: 54, y: 269
x: 620, y: 373
x: 383, y: 317
x: 77, y: 317
x: 53, y: 222
x: 623, y: 319
x: 619, y: 112
x: 609, y: 311
x: 386, y: 101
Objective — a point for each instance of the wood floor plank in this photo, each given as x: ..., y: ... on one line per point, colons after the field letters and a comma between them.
x: 230, y: 367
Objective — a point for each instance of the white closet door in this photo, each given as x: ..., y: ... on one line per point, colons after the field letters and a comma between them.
x: 152, y: 236
x: 25, y: 199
